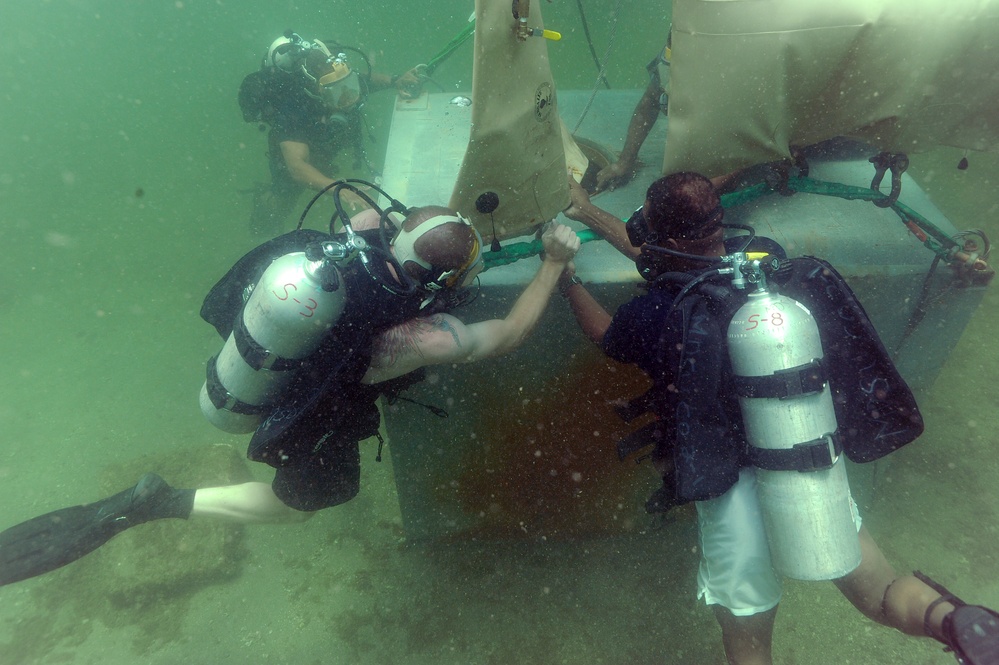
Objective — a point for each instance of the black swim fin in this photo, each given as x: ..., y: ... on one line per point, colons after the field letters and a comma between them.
x: 971, y: 632
x: 55, y: 539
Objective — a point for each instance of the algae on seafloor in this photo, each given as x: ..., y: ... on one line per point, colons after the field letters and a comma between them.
x: 143, y: 578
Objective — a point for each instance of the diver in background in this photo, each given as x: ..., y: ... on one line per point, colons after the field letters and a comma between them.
x: 311, y: 99
x: 699, y: 439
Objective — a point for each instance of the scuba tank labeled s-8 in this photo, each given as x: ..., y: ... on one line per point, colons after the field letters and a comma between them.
x: 790, y: 423
x: 294, y: 304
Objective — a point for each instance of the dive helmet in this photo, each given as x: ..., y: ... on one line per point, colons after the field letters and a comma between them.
x: 288, y: 52
x: 440, y: 278
x: 340, y: 88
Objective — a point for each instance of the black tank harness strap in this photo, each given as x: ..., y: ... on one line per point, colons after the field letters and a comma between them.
x: 791, y: 382
x: 223, y: 399
x: 255, y: 355
x: 660, y: 397
x: 807, y: 379
x: 814, y: 455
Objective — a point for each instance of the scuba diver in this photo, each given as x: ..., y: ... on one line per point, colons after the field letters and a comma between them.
x: 311, y: 98
x: 755, y: 435
x: 372, y: 303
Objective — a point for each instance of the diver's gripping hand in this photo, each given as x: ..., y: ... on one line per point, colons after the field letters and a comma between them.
x: 560, y: 242
x: 55, y: 539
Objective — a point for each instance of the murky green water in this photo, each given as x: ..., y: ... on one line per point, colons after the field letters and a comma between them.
x: 124, y: 158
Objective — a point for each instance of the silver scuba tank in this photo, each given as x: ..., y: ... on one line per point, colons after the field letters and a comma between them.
x: 790, y: 423
x: 283, y: 321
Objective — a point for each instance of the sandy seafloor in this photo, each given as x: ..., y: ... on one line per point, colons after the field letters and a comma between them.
x: 103, y: 354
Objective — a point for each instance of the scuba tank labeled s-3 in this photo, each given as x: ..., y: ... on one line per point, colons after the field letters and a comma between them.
x: 293, y: 305
x: 790, y: 424
x: 286, y: 315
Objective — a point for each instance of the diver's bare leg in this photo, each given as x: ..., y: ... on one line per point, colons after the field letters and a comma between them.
x: 898, y: 602
x: 249, y: 503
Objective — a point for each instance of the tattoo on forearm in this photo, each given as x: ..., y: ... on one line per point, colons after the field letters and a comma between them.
x: 404, y: 339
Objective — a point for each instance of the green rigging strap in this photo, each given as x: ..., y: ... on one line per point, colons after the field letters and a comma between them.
x: 935, y: 240
x: 516, y: 251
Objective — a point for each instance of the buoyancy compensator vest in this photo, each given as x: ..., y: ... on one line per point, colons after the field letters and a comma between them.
x: 324, y: 403
x: 875, y: 409
x: 709, y: 448
x: 697, y: 420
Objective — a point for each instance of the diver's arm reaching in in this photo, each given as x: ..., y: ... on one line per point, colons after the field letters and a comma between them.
x: 602, y: 222
x: 591, y: 316
x: 296, y: 158
x: 642, y: 120
x: 444, y: 339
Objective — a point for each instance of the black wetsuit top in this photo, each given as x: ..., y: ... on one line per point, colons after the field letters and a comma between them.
x: 280, y: 100
x: 304, y: 119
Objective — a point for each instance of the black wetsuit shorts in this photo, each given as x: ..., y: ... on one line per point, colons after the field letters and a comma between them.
x: 328, y: 478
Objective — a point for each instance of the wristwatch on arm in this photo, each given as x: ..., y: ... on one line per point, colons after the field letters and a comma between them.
x: 565, y: 284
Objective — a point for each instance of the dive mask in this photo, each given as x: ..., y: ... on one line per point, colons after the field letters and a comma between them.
x: 638, y: 229
x: 640, y: 233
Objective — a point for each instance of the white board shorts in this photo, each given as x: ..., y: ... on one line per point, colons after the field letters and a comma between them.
x: 735, y: 570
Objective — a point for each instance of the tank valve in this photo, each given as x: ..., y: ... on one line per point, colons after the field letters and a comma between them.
x: 521, y: 10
